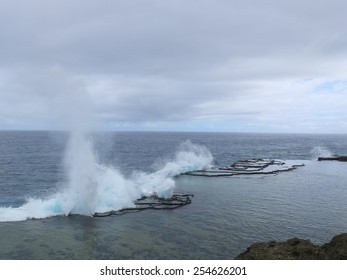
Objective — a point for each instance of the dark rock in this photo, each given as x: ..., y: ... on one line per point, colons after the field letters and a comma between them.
x: 337, y: 158
x: 292, y: 249
x: 297, y: 249
x: 152, y: 202
x: 249, y: 167
x: 336, y: 249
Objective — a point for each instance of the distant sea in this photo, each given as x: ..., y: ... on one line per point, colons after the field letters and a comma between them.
x: 44, y: 176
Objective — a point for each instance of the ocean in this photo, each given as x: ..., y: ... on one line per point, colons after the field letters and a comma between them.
x: 45, y: 176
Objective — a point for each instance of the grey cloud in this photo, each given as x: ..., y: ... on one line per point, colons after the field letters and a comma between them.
x: 139, y: 61
x: 175, y: 37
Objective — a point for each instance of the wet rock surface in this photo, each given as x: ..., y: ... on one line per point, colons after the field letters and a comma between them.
x: 335, y: 158
x: 297, y: 249
x: 152, y: 202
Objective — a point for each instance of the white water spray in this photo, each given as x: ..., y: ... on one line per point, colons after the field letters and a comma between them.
x: 321, y: 152
x: 189, y: 157
x: 92, y: 187
x: 82, y: 172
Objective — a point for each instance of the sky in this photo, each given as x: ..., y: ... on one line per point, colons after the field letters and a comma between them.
x: 174, y: 65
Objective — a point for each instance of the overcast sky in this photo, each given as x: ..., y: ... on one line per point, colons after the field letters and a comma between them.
x: 203, y: 65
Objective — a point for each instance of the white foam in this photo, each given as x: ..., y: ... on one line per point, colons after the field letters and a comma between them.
x: 190, y: 157
x: 92, y: 187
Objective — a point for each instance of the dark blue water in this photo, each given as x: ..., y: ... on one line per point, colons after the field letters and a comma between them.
x: 226, y: 216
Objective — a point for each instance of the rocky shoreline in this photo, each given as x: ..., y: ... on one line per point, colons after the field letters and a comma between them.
x: 297, y: 249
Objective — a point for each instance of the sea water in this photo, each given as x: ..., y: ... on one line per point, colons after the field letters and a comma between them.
x: 44, y: 176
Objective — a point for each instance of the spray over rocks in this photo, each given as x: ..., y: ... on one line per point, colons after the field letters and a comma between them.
x: 91, y: 187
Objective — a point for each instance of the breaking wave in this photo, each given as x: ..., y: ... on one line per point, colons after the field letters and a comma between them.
x: 92, y: 187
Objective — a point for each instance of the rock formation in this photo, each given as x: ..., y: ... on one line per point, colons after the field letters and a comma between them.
x: 250, y: 167
x: 337, y: 158
x: 297, y: 249
x: 152, y: 202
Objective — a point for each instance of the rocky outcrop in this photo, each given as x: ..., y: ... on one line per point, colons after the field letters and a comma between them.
x: 337, y: 158
x: 336, y: 249
x: 152, y: 202
x: 297, y: 249
x: 249, y: 167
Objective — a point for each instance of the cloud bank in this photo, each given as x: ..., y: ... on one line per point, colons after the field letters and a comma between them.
x: 266, y: 66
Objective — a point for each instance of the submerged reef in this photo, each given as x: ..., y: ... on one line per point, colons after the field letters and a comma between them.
x: 297, y: 249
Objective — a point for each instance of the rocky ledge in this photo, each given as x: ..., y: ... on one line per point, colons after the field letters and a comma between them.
x: 336, y: 158
x: 297, y: 249
x: 254, y: 166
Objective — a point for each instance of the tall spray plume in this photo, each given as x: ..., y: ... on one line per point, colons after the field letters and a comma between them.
x: 89, y: 185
